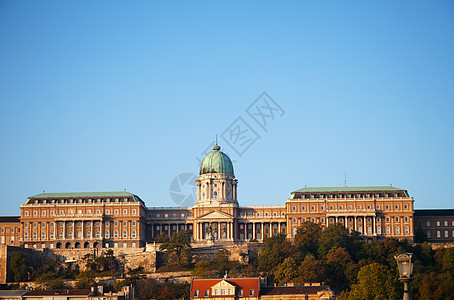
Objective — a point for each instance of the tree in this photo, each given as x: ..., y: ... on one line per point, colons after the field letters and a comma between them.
x: 333, y: 236
x: 203, y: 270
x: 375, y: 282
x: 178, y: 249
x: 311, y: 270
x: 222, y: 261
x: 339, y: 263
x: 85, y: 280
x: 286, y: 271
x: 275, y: 250
x: 19, y: 266
x: 306, y: 238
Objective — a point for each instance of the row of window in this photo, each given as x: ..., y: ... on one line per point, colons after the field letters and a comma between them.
x: 369, y: 230
x: 99, y: 200
x: 166, y: 215
x: 438, y: 223
x: 88, y: 211
x: 446, y: 234
x: 77, y: 245
x: 2, y: 240
x: 350, y: 219
x: 12, y: 229
x: 79, y: 234
x: 250, y: 213
x: 303, y: 208
x: 358, y: 195
x: 79, y: 224
x: 221, y: 292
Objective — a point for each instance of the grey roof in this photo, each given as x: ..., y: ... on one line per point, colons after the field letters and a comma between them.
x: 12, y: 293
x: 434, y: 213
x: 347, y: 189
x: 10, y: 219
x: 86, y: 195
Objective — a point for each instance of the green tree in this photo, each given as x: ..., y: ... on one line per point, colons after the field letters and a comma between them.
x: 306, y: 238
x: 222, y: 261
x: 286, y: 271
x: 203, y: 269
x: 375, y: 282
x: 162, y: 238
x: 178, y: 249
x: 339, y: 264
x: 19, y: 266
x: 333, y: 236
x: 275, y: 250
x: 85, y: 280
x: 311, y: 270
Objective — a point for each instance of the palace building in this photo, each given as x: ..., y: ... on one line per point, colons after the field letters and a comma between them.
x: 122, y: 220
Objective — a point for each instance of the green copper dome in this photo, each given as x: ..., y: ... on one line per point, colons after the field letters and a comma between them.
x: 216, y: 162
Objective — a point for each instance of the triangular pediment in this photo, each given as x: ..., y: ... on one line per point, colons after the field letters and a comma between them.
x: 223, y: 284
x: 216, y: 215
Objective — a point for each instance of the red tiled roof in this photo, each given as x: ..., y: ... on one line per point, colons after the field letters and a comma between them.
x: 292, y: 290
x: 75, y: 292
x: 245, y: 284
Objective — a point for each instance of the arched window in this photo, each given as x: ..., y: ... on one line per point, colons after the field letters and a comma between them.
x: 388, y: 230
x: 60, y: 234
x: 407, y: 230
x: 70, y: 234
x: 397, y: 230
x: 26, y: 235
x: 215, y: 195
x: 51, y: 234
x: 116, y: 234
x: 43, y: 235
x: 133, y: 234
x: 107, y: 234
x: 294, y: 231
x: 125, y: 234
x: 79, y: 234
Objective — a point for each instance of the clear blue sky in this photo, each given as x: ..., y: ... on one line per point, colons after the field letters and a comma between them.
x: 108, y: 95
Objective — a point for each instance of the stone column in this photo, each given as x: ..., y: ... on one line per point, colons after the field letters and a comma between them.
x: 374, y: 229
x: 101, y: 224
x: 356, y: 225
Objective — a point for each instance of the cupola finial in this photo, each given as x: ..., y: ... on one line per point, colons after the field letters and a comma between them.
x: 216, y: 147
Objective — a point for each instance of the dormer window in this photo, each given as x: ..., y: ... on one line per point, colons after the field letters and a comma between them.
x: 196, y: 293
x: 251, y: 292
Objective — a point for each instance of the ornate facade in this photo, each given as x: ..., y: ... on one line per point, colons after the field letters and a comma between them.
x: 121, y: 219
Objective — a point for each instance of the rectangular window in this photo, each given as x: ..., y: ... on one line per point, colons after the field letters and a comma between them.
x: 428, y: 223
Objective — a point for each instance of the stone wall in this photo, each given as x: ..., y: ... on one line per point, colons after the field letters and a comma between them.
x: 128, y: 257
x: 241, y: 252
x: 35, y: 258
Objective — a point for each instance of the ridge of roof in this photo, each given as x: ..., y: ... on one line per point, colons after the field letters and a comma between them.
x: 348, y: 189
x: 86, y: 195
